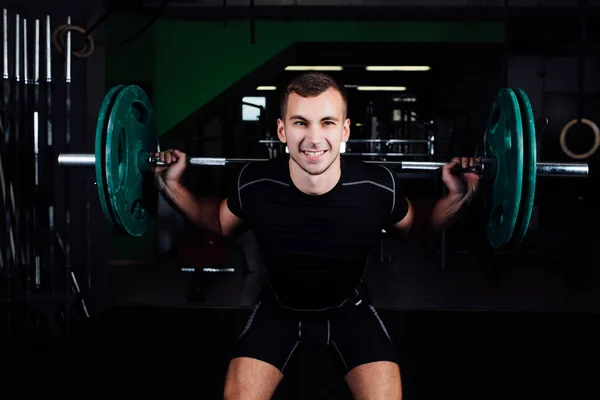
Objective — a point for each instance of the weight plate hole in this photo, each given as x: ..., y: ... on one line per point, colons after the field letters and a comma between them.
x: 138, y: 210
x: 140, y: 113
x: 495, y: 119
x: 498, y: 215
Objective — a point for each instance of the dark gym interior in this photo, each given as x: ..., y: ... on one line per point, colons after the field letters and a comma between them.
x: 87, y: 311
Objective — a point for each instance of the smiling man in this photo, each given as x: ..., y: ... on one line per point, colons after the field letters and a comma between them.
x: 314, y: 125
x: 316, y: 218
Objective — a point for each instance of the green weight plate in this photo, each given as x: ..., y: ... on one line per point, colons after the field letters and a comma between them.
x: 131, y: 137
x: 100, y: 145
x: 504, y: 144
x: 529, y: 167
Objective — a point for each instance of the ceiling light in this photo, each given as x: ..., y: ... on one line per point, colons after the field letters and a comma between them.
x: 405, y: 99
x: 266, y: 88
x: 386, y: 88
x: 313, y: 68
x: 397, y: 68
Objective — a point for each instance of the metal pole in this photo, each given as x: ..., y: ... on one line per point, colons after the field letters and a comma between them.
x: 67, y: 187
x: 51, y: 154
x: 5, y: 39
x: 77, y: 160
x: 17, y: 177
x: 37, y: 243
x: 5, y: 177
x: 39, y: 237
x: 543, y: 169
x: 562, y: 169
x: 36, y: 56
x: 7, y: 242
x: 385, y: 141
x: 28, y: 201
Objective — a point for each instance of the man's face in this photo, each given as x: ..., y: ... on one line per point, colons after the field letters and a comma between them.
x: 314, y: 129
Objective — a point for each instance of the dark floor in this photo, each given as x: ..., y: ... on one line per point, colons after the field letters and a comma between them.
x: 182, y: 352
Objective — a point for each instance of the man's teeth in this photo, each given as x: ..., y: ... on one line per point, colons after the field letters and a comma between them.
x: 315, y: 153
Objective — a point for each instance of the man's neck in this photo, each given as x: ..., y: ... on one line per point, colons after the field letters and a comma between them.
x: 315, y: 184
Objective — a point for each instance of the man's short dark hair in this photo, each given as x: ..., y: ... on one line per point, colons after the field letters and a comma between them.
x: 311, y: 84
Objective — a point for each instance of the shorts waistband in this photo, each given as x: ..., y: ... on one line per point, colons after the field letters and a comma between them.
x: 360, y: 295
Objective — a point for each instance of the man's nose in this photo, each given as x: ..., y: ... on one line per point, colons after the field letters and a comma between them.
x: 313, y: 135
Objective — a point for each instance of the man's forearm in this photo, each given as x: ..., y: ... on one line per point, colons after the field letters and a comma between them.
x: 202, y: 211
x: 446, y: 211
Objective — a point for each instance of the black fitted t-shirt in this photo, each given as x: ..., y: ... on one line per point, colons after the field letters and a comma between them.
x: 315, y: 247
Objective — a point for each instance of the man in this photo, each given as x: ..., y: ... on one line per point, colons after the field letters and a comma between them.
x: 316, y: 218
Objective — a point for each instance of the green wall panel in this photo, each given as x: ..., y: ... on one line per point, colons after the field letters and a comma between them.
x: 196, y: 61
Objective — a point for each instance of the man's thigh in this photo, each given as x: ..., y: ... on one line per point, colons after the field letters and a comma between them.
x: 376, y: 380
x: 271, y: 335
x: 361, y: 345
x: 251, y: 379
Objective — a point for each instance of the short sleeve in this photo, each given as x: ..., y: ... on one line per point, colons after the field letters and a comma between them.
x: 399, y: 206
x: 234, y: 199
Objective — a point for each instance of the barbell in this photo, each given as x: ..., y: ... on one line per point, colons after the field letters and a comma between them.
x: 126, y: 140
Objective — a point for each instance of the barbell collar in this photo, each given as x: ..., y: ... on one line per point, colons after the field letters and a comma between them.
x: 566, y: 170
x: 77, y: 160
x: 570, y: 170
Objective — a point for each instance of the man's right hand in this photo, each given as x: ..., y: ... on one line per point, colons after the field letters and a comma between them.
x: 176, y: 163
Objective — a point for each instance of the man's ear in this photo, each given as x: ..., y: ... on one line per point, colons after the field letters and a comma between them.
x: 346, y: 130
x: 281, y: 131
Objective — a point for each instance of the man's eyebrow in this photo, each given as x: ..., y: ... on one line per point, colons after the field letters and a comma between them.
x: 298, y: 117
x: 328, y: 118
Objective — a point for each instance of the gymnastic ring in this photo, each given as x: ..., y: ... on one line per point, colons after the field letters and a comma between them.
x: 588, y: 153
x: 59, y: 41
x: 58, y: 38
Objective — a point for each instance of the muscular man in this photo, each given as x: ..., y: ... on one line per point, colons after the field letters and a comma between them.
x: 316, y: 217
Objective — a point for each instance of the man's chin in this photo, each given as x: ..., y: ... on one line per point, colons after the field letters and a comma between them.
x: 313, y: 170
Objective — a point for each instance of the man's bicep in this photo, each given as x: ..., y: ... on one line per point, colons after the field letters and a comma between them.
x: 228, y: 220
x: 401, y: 213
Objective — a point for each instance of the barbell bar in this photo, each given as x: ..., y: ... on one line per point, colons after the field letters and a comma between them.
x: 126, y: 141
x: 565, y: 170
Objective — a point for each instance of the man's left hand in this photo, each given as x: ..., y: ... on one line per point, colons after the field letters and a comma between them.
x: 464, y: 184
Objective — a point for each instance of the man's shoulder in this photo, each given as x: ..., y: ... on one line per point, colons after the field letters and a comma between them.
x: 273, y: 170
x: 358, y: 170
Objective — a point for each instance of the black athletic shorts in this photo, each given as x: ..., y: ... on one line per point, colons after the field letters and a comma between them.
x: 353, y: 333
